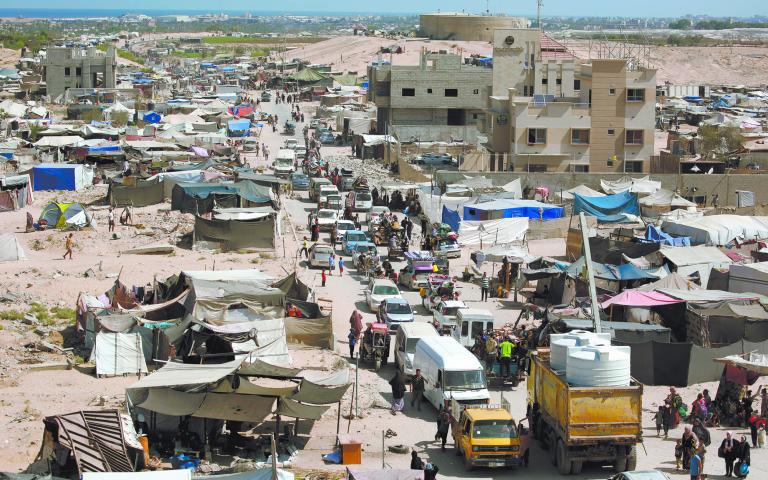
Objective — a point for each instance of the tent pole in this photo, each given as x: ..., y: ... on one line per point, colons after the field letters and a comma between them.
x: 338, y: 417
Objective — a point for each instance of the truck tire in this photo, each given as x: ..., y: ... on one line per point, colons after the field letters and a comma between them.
x: 467, y: 463
x: 562, y: 459
x: 576, y: 467
x: 620, y: 465
x: 632, y: 458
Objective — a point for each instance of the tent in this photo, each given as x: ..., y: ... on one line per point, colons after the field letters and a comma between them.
x: 639, y: 298
x: 64, y: 215
x: 654, y: 234
x: 152, y: 117
x: 238, y: 128
x: 701, y: 260
x: 665, y: 198
x: 61, y: 176
x: 632, y: 185
x: 493, y: 232
x: 582, y: 190
x: 10, y: 248
x: 118, y: 354
x: 512, y: 208
x: 751, y: 277
x: 718, y: 229
x: 610, y: 208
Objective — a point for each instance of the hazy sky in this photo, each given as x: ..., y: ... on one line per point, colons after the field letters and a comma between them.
x: 647, y: 8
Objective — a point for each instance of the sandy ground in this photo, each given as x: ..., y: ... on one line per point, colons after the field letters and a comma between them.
x: 27, y: 395
x: 9, y: 58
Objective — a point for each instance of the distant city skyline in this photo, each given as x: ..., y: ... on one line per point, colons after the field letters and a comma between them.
x: 596, y: 8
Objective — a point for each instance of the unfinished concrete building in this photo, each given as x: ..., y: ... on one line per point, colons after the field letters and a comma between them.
x: 440, y: 99
x: 551, y: 111
x: 77, y: 68
x: 466, y: 26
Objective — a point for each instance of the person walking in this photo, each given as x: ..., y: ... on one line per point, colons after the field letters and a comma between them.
x: 323, y: 277
x: 506, y: 356
x: 659, y: 419
x: 484, y: 285
x: 491, y: 347
x: 341, y: 265
x: 727, y: 451
x: 352, y: 336
x: 331, y: 264
x: 417, y: 389
x: 398, y: 393
x: 111, y: 219
x: 695, y: 467
x: 689, y: 443
x: 443, y: 426
x: 304, y: 249
x: 69, y: 244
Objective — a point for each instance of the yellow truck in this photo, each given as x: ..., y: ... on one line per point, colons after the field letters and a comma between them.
x: 583, y: 424
x: 488, y: 436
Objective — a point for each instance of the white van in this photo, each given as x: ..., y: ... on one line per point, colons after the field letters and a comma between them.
x: 363, y: 201
x: 284, y: 161
x: 471, y: 322
x: 405, y: 344
x: 450, y: 371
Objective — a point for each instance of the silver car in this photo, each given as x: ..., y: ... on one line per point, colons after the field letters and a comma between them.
x: 319, y: 254
x: 394, y: 311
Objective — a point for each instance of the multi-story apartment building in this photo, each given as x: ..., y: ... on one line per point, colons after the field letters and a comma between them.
x: 553, y: 112
x: 439, y: 99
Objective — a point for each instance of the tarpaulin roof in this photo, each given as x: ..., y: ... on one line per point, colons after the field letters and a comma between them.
x: 246, y: 387
x: 221, y: 406
x: 623, y: 272
x: 673, y: 281
x: 174, y: 374
x: 260, y: 368
x: 684, y: 256
x: 610, y: 208
x: 718, y: 229
x: 290, y: 408
x: 633, y: 185
x: 582, y: 190
x: 310, y: 392
x: 489, y: 232
x: 638, y: 298
x: 59, y: 141
x: 696, y: 296
x: 514, y: 208
x: 240, y: 124
x: 666, y: 198
x: 655, y: 234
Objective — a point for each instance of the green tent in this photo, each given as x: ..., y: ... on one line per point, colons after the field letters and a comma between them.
x: 65, y: 215
x: 308, y: 75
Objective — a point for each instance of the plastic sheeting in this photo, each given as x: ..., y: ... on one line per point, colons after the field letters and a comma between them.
x: 175, y: 374
x: 167, y: 401
x: 265, y: 369
x: 635, y: 298
x: 718, y: 229
x: 317, y: 332
x: 61, y: 176
x: 232, y: 406
x: 610, y: 208
x: 318, y: 394
x: 230, y: 235
x: 10, y: 248
x: 632, y: 185
x: 512, y: 208
x: 582, y: 190
x: 451, y: 218
x: 492, y: 232
x: 290, y: 408
x: 665, y: 198
x: 119, y: 354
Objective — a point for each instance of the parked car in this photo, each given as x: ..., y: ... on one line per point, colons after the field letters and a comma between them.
x: 433, y: 159
x: 379, y: 290
x: 352, y: 237
x: 326, y: 217
x: 395, y: 311
x: 318, y: 255
x: 266, y: 97
x: 250, y: 145
x: 640, y: 475
x: 299, y: 181
x: 342, y: 226
x: 444, y: 314
x: 327, y: 139
x: 450, y: 248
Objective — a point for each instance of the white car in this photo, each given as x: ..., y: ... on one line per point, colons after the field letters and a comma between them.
x: 341, y: 227
x: 326, y: 218
x: 290, y: 143
x: 362, y: 201
x: 325, y: 191
x: 250, y: 145
x: 444, y: 313
x: 449, y: 247
x: 378, y: 290
x: 375, y: 214
x: 318, y: 255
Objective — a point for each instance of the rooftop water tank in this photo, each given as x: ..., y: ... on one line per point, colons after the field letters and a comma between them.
x: 561, y: 342
x: 599, y: 366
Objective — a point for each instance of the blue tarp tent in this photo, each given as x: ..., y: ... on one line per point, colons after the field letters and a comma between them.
x: 452, y: 218
x: 152, y: 117
x: 512, y: 209
x: 610, y: 208
x: 613, y: 273
x: 239, y: 128
x: 60, y: 176
x: 654, y: 234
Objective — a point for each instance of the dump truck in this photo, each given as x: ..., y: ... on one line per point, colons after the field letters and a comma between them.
x: 488, y: 436
x: 583, y: 424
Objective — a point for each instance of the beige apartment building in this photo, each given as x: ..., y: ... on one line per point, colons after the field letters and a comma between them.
x: 552, y: 112
x: 440, y: 99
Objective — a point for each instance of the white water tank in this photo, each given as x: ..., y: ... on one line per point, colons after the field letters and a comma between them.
x: 599, y: 366
x: 561, y: 342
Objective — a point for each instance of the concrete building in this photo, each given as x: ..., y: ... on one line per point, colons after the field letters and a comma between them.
x: 552, y: 112
x: 465, y: 26
x: 76, y: 68
x: 438, y: 100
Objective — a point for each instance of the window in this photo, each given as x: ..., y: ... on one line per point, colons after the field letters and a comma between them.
x: 537, y: 136
x: 476, y: 91
x: 451, y: 92
x: 634, y: 137
x: 382, y: 89
x: 611, y: 91
x: 544, y: 81
x: 409, y: 92
x: 66, y: 71
x: 611, y: 132
x: 559, y: 81
x: 537, y: 167
x: 609, y: 163
x: 474, y: 116
x: 78, y: 71
x: 526, y: 91
x: 635, y: 95
x: 581, y: 168
x: 633, y: 166
x: 429, y: 90
x: 577, y: 85
x: 580, y: 136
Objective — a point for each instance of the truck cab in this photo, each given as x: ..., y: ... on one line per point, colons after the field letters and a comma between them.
x: 471, y: 323
x: 488, y: 436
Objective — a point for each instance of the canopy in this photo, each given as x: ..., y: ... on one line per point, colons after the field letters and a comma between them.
x: 493, y: 232
x: 752, y: 361
x: 610, y: 208
x: 174, y: 374
x: 638, y: 298
x: 59, y: 141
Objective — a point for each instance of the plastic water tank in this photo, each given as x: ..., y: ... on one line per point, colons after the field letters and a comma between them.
x: 598, y: 366
x: 561, y: 342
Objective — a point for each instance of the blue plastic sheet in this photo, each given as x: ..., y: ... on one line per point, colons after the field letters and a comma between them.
x: 610, y: 208
x: 452, y: 218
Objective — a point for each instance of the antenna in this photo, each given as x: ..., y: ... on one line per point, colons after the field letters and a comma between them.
x: 539, y: 4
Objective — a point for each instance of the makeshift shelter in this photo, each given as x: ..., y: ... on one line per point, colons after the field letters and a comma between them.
x: 10, y: 248
x: 631, y: 185
x: 699, y: 260
x: 202, y: 198
x: 654, y: 234
x: 65, y: 215
x: 512, y: 208
x: 142, y: 194
x: 718, y: 324
x: 118, y: 354
x: 15, y: 192
x: 718, y: 229
x: 239, y: 127
x: 610, y: 208
x: 61, y: 176
x: 750, y: 277
x: 492, y: 232
x: 582, y: 190
x: 236, y: 230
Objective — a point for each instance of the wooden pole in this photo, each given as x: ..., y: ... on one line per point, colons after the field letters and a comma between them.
x: 338, y: 417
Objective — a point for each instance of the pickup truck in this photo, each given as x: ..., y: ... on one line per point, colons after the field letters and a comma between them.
x: 583, y: 424
x: 488, y: 436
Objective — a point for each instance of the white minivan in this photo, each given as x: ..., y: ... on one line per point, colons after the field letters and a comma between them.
x: 362, y: 200
x: 450, y: 371
x: 405, y: 344
x: 284, y: 162
x: 471, y: 322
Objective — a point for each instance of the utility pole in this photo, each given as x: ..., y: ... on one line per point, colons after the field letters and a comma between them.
x: 590, y: 273
x: 539, y: 4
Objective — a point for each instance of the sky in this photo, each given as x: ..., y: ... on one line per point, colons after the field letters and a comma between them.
x: 645, y: 8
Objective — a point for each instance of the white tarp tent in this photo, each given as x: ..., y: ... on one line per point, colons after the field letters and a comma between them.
x: 492, y: 232
x: 634, y: 185
x: 718, y: 229
x: 61, y: 141
x: 696, y: 260
x: 582, y: 190
x: 118, y: 354
x: 664, y: 197
x: 515, y: 187
x: 10, y: 248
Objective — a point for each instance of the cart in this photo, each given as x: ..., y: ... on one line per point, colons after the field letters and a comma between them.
x: 289, y: 128
x: 439, y: 287
x: 375, y: 345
